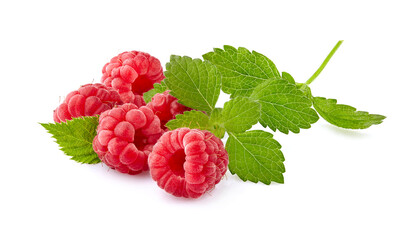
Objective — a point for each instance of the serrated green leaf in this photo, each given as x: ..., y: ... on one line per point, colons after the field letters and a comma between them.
x: 241, y: 69
x: 255, y: 156
x: 345, y: 116
x: 75, y: 138
x: 190, y: 119
x: 196, y: 84
x: 240, y: 114
x: 284, y: 106
x: 157, y: 88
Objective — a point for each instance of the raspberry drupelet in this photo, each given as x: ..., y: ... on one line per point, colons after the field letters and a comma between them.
x: 188, y: 163
x: 132, y: 73
x: 88, y: 100
x: 166, y: 107
x: 125, y: 137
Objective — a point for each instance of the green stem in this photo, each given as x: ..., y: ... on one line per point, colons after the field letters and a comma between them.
x: 316, y: 74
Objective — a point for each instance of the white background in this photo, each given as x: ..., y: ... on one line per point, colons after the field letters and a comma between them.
x: 339, y: 184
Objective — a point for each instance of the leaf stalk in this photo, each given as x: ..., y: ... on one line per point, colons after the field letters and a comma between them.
x: 316, y: 74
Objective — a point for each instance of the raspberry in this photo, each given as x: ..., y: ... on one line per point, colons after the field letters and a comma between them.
x: 132, y: 73
x: 88, y: 100
x: 188, y: 163
x: 166, y: 107
x: 139, y: 100
x: 125, y: 137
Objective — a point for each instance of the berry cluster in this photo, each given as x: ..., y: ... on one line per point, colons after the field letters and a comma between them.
x: 132, y: 136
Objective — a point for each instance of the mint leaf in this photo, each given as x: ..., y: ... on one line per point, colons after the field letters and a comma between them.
x: 194, y: 83
x: 190, y: 119
x: 343, y: 115
x: 240, y: 114
x: 241, y: 69
x: 157, y: 88
x: 255, y: 156
x: 283, y: 106
x: 75, y: 138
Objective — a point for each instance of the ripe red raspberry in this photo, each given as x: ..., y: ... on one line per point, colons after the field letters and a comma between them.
x: 88, y: 100
x: 188, y: 163
x: 166, y: 107
x: 139, y: 100
x: 132, y: 73
x: 125, y: 137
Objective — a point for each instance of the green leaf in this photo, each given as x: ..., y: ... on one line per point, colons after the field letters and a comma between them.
x: 241, y: 69
x: 255, y: 156
x: 305, y: 89
x: 190, y: 119
x: 75, y: 138
x: 196, y: 84
x: 216, y: 122
x: 284, y: 106
x: 157, y: 88
x: 288, y: 77
x: 198, y: 120
x: 343, y: 115
x: 240, y: 114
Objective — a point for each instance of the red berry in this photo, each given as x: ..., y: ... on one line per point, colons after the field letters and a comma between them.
x: 139, y: 100
x: 166, y: 107
x: 125, y: 137
x: 88, y: 100
x: 188, y: 163
x: 132, y: 73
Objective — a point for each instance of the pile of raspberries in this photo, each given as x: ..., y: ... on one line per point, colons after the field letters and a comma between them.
x: 132, y: 136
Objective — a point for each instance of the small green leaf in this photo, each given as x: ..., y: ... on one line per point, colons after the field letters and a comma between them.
x: 75, y: 138
x: 240, y: 114
x: 303, y: 87
x: 196, y: 84
x: 288, y: 77
x: 198, y: 120
x: 241, y: 69
x: 157, y: 88
x: 345, y: 116
x: 216, y: 122
x: 216, y: 116
x: 190, y: 119
x: 284, y: 106
x: 255, y: 156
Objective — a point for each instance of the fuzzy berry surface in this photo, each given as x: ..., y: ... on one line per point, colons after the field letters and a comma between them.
x: 166, y: 107
x: 139, y: 100
x: 188, y: 163
x: 132, y: 73
x: 88, y: 100
x: 125, y: 137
